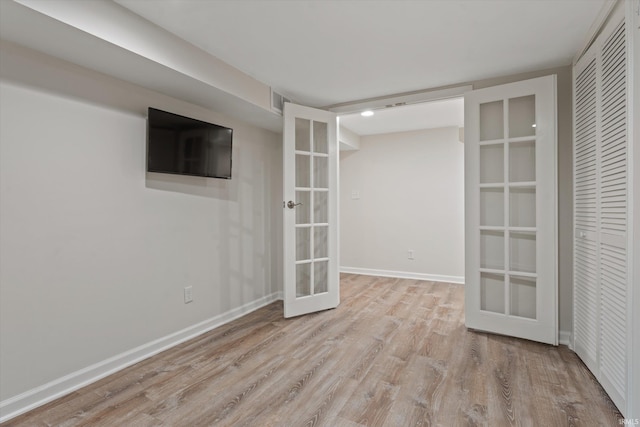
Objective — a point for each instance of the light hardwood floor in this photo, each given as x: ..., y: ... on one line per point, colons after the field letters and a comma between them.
x: 394, y: 353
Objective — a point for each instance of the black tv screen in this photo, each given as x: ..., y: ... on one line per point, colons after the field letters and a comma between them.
x: 184, y: 146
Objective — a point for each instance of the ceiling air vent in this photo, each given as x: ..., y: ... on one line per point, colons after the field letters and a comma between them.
x: 277, y: 102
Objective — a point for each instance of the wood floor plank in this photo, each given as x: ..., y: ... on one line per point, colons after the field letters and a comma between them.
x: 394, y: 353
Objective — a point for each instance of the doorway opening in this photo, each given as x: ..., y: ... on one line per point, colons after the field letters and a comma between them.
x: 402, y: 191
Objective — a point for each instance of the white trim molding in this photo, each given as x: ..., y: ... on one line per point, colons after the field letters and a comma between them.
x: 403, y: 274
x: 400, y: 99
x: 38, y: 396
x: 565, y: 338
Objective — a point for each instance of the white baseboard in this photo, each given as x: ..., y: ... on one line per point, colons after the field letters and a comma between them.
x: 403, y: 274
x: 565, y: 338
x: 31, y: 399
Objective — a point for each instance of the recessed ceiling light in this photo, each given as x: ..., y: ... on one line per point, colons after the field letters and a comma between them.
x: 367, y: 113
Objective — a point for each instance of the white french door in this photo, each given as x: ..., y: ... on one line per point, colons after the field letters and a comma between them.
x: 310, y: 154
x: 510, y: 204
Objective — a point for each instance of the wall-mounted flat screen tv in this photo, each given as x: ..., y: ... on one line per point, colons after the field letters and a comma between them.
x: 184, y: 146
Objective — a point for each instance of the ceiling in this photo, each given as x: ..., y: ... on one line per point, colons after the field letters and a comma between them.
x: 344, y: 54
x: 428, y: 115
x: 321, y: 53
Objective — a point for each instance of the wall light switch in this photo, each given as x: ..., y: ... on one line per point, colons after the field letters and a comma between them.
x: 355, y: 195
x: 188, y: 294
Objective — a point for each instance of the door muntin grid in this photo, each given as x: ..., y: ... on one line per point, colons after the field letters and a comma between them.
x: 312, y: 216
x: 507, y: 195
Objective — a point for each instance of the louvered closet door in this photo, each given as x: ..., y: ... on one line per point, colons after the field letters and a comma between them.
x: 613, y: 216
x: 600, y: 211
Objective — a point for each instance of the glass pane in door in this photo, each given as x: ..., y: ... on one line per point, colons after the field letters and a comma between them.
x: 303, y: 280
x: 522, y: 207
x: 523, y: 297
x: 303, y: 210
x: 492, y: 163
x: 321, y: 207
x: 303, y: 238
x: 303, y: 135
x: 492, y: 292
x: 522, y: 252
x: 320, y: 138
x: 492, y: 206
x: 320, y: 172
x: 320, y: 234
x: 303, y: 171
x: 320, y: 276
x: 522, y: 116
x: 491, y: 121
x: 492, y: 249
x: 522, y: 161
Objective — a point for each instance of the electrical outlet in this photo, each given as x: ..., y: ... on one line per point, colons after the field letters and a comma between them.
x: 188, y: 294
x: 411, y: 254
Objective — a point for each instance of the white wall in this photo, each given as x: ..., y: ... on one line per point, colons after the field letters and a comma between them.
x: 94, y: 252
x: 348, y: 140
x: 411, y: 197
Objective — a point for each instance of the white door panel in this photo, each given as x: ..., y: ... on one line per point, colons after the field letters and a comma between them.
x: 510, y: 203
x: 310, y: 150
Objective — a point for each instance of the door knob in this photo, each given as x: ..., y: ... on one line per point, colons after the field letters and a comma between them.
x: 292, y: 205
